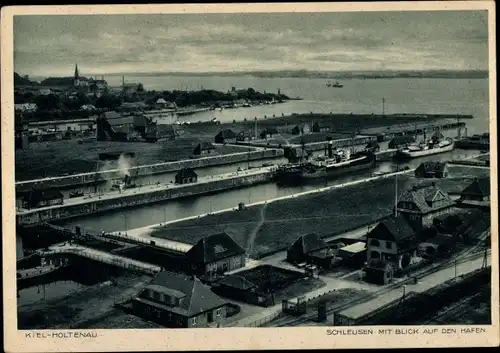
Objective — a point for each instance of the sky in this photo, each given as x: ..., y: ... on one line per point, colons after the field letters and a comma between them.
x: 356, y: 41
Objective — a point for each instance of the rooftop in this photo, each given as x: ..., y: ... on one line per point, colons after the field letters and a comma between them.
x: 197, y: 297
x: 426, y: 198
x: 213, y: 248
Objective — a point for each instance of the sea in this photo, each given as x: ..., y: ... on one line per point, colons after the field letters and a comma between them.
x: 401, y: 95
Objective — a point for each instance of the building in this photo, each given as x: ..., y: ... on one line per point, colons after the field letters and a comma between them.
x: 478, y: 190
x: 37, y: 198
x: 379, y: 272
x: 240, y: 288
x: 214, y: 255
x: 372, y: 146
x: 393, y: 241
x: 133, y: 106
x: 21, y: 132
x: 268, y: 133
x: 179, y: 301
x: 432, y: 169
x: 310, y: 248
x: 186, y: 176
x: 420, y: 204
x: 301, y: 129
x: 25, y: 108
x: 353, y: 254
x: 226, y: 135
x: 76, y: 77
x: 245, y: 136
x: 204, y: 148
x: 317, y: 127
x: 401, y: 141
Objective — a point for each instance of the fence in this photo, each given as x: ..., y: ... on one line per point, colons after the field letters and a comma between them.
x: 267, y: 319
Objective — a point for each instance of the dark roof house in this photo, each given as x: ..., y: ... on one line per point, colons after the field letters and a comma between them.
x: 214, y: 248
x: 186, y: 175
x: 305, y: 246
x: 478, y: 189
x: 226, y: 134
x: 203, y: 147
x: 431, y: 169
x: 394, y: 229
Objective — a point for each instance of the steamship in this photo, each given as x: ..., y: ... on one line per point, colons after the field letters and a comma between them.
x: 337, y: 162
x: 437, y: 144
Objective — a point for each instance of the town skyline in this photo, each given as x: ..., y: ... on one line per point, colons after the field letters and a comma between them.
x: 210, y: 43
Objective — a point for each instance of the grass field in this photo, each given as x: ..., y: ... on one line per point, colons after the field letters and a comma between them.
x: 272, y: 227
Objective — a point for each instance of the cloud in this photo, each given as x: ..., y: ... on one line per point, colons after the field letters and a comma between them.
x: 50, y: 45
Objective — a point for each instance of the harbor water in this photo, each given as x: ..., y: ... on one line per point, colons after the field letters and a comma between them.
x: 430, y: 96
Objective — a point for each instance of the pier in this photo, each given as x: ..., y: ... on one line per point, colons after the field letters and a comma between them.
x: 152, y: 169
x: 389, y: 132
x: 101, y: 256
x: 112, y: 200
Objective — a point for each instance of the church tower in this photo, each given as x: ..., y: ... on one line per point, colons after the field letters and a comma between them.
x: 76, y: 79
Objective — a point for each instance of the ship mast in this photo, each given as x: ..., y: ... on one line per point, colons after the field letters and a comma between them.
x: 396, y: 195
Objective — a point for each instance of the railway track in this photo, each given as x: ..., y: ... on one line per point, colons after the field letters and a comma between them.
x: 468, y: 254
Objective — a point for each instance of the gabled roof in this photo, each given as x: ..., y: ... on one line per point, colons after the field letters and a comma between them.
x: 161, y: 101
x: 426, y: 198
x: 432, y: 166
x: 227, y: 133
x: 196, y: 297
x: 393, y: 228
x: 111, y: 115
x: 479, y: 187
x: 186, y: 173
x: 308, y: 243
x: 205, y: 145
x: 237, y: 282
x: 213, y: 248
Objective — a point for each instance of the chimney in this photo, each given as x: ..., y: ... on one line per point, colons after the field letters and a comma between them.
x: 330, y: 149
x: 123, y: 81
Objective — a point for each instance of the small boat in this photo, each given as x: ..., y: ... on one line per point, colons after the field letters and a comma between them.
x: 77, y: 193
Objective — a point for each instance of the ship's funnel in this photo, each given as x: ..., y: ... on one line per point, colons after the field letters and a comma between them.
x: 330, y: 149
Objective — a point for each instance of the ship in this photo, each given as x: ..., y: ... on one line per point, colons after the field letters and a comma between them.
x: 335, y: 163
x: 335, y: 84
x: 437, y: 144
x: 479, y: 142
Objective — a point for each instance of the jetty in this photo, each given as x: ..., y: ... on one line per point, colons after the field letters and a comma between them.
x: 113, y: 200
x: 101, y: 256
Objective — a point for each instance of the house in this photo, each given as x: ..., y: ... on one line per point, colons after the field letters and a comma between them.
x: 244, y: 136
x: 420, y: 204
x: 268, y: 132
x: 42, y: 198
x: 309, y: 248
x: 301, y: 129
x: 224, y: 136
x: 179, y: 301
x: 478, y: 190
x: 88, y: 107
x: 432, y: 169
x: 214, y: 255
x: 379, y: 272
x: 401, y: 141
x: 317, y: 127
x: 393, y: 241
x: 25, y: 107
x: 239, y: 288
x: 186, y: 176
x: 372, y: 146
x: 162, y: 103
x: 204, y: 148
x: 353, y: 254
